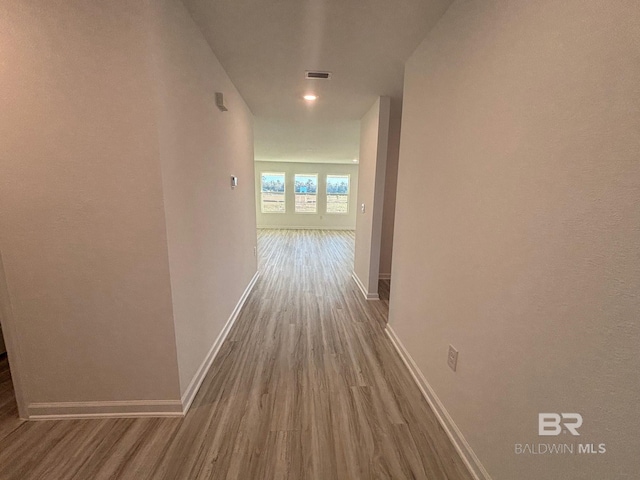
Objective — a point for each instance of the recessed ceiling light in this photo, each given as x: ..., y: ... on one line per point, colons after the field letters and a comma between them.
x: 355, y: 160
x: 310, y: 97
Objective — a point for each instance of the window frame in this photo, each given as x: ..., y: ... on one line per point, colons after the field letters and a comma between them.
x: 295, y: 204
x: 284, y: 191
x: 347, y: 195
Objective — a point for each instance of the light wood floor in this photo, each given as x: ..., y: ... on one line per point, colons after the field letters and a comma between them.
x: 307, y: 386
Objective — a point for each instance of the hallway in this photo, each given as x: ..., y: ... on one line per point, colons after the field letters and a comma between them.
x: 307, y: 385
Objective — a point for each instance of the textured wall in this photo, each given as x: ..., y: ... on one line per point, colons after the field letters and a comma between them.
x: 374, y: 134
x: 390, y: 183
x: 517, y: 227
x: 124, y: 248
x: 81, y: 212
x: 211, y: 228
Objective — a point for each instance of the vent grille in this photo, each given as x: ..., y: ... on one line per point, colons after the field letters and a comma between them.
x: 314, y: 75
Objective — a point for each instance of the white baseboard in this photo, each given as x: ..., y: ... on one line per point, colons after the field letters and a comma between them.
x: 384, y: 276
x: 291, y: 227
x: 120, y: 409
x: 367, y: 295
x: 198, y: 378
x: 140, y: 408
x: 466, y: 453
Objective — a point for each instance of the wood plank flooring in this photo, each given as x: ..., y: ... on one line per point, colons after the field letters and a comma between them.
x: 306, y: 386
x: 9, y: 420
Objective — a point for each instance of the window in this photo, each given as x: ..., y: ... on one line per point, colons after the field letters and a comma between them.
x: 306, y: 191
x: 272, y: 193
x: 337, y: 193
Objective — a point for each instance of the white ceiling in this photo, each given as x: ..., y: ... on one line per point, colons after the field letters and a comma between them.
x: 266, y: 45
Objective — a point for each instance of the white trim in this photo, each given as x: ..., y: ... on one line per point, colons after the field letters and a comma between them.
x: 455, y: 435
x: 284, y: 192
x: 120, y: 409
x: 140, y: 408
x: 367, y: 295
x: 384, y: 276
x: 301, y: 227
x: 191, y: 391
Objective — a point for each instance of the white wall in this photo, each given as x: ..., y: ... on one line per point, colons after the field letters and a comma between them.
x: 321, y: 219
x: 517, y: 228
x: 83, y: 233
x: 374, y: 134
x: 124, y: 248
x: 390, y: 183
x: 210, y: 226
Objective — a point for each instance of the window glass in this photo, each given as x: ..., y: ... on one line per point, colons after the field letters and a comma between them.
x: 272, y: 192
x: 337, y: 193
x: 306, y: 192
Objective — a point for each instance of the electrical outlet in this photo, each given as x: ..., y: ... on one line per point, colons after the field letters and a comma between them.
x: 255, y: 251
x: 452, y: 358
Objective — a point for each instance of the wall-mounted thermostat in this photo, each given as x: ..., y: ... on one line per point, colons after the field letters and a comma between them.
x: 234, y: 181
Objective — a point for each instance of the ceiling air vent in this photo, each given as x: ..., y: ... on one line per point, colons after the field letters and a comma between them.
x: 313, y: 75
